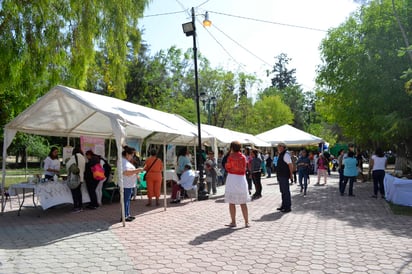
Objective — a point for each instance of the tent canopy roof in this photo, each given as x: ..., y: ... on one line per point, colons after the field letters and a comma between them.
x: 226, y: 136
x: 290, y: 136
x: 65, y: 111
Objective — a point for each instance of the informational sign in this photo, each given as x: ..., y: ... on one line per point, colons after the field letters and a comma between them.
x: 94, y: 144
x: 134, y: 143
x: 67, y: 153
x: 171, y: 155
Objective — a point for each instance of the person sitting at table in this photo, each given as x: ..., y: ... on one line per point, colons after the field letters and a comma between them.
x: 185, y: 183
x: 182, y: 160
x: 77, y: 192
x: 52, y: 164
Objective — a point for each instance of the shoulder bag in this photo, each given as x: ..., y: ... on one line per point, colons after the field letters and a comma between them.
x: 147, y: 171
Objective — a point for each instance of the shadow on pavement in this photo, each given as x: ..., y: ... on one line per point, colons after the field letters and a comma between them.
x: 360, y: 211
x: 274, y: 216
x: 212, y: 235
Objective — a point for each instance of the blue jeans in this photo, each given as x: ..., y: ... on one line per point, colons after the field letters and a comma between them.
x: 303, y: 176
x: 269, y: 171
x: 126, y: 198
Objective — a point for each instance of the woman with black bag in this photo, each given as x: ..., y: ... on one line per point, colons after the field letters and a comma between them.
x: 91, y: 182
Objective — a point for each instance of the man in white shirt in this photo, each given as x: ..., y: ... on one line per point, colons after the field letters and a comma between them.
x: 185, y: 183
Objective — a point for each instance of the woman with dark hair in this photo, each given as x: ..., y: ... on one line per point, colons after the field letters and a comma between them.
x: 52, y: 164
x: 77, y: 192
x: 91, y: 183
x: 341, y: 156
x: 350, y: 171
x: 378, y: 164
x: 153, y: 167
x: 182, y: 161
x: 256, y: 173
x: 236, y: 191
x: 129, y: 179
x: 302, y: 165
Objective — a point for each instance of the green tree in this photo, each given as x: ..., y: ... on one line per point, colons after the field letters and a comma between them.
x: 360, y: 78
x: 268, y: 113
x: 282, y: 76
x: 285, y: 85
x: 44, y: 43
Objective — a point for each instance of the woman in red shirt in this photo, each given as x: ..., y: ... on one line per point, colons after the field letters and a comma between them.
x: 236, y: 191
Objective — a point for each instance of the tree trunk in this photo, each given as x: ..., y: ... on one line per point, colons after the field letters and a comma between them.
x: 401, y: 163
x: 405, y: 37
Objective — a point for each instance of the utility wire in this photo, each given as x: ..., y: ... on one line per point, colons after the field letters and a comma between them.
x: 223, y: 48
x: 202, y: 4
x: 161, y: 14
x: 214, y: 25
x: 237, y: 43
x: 183, y: 7
x: 268, y: 22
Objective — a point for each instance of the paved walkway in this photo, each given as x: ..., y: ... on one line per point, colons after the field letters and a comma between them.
x: 324, y: 233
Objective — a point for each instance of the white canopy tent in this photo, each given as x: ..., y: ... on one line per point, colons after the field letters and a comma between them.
x: 69, y: 112
x: 289, y: 135
x: 225, y: 136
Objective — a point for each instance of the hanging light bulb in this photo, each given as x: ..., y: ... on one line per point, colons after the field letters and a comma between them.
x: 207, y: 22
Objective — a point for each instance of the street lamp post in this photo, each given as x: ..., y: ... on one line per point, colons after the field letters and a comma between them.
x: 190, y: 30
x: 210, y: 104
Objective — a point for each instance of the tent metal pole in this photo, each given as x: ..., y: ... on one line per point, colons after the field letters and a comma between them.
x: 108, y: 153
x: 164, y: 177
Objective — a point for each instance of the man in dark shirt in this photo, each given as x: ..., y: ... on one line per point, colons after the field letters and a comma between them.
x: 284, y: 173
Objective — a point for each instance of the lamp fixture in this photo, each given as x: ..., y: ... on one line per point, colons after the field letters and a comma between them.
x: 206, y: 21
x: 188, y: 28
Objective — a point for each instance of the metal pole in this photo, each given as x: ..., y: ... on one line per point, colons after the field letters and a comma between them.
x: 208, y: 111
x: 199, y: 157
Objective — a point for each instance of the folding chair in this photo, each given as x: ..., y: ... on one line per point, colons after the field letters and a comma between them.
x: 141, y: 186
x: 110, y: 191
x: 191, y: 193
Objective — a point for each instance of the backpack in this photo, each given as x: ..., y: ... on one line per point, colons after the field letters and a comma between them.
x: 98, y: 172
x: 107, y: 168
x: 73, y: 180
x: 74, y: 169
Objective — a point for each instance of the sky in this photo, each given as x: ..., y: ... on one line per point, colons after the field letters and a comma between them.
x: 245, y: 35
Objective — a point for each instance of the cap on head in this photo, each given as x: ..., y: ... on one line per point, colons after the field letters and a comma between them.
x: 282, y: 144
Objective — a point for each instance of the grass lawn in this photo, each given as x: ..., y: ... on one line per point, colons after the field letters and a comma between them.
x: 401, y: 210
x: 14, y: 176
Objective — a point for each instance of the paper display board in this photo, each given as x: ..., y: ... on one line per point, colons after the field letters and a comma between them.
x: 67, y: 153
x: 171, y: 155
x: 94, y: 144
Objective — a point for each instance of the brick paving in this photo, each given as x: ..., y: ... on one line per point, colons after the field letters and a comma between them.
x: 324, y: 233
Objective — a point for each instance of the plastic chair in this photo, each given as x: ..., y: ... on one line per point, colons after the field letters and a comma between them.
x: 141, y: 186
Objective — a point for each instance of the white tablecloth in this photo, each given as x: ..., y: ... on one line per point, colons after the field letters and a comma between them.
x: 50, y: 194
x: 171, y: 175
x: 397, y: 190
